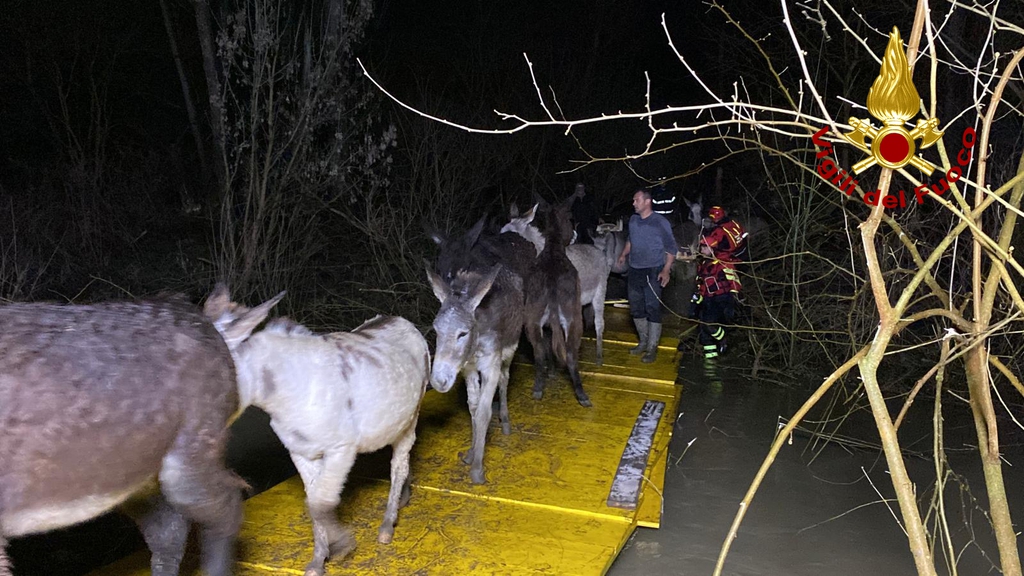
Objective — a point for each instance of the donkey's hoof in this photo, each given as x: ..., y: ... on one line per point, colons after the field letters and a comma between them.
x: 342, y: 544
x: 466, y: 457
x: 314, y: 571
x: 477, y: 477
x: 584, y: 401
x: 599, y: 361
x: 384, y: 535
x: 506, y: 428
x: 538, y: 394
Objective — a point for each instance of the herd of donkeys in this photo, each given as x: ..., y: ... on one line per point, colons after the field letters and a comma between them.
x: 110, y: 402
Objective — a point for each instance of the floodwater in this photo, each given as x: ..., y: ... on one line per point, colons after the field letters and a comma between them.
x: 821, y: 510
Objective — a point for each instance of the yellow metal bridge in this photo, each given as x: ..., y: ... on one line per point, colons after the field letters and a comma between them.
x: 549, y: 506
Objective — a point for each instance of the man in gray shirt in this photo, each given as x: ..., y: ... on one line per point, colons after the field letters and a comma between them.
x: 651, y: 249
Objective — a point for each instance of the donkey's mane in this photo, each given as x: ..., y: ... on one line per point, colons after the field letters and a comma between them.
x: 287, y: 327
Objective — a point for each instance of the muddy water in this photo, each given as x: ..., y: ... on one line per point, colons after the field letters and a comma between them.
x: 813, y: 515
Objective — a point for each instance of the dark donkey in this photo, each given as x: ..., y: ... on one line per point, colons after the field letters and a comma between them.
x: 552, y: 293
x: 98, y: 403
x: 478, y: 326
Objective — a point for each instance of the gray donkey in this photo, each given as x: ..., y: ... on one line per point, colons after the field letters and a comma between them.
x: 331, y: 397
x: 593, y: 262
x: 478, y: 329
x: 100, y: 403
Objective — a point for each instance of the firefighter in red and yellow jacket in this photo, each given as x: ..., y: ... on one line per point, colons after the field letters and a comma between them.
x: 726, y: 237
x: 714, y: 302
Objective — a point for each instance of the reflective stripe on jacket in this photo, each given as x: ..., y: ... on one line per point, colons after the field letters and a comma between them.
x: 716, y: 277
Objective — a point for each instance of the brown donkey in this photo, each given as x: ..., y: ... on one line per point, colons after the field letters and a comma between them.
x: 99, y: 403
x: 552, y: 292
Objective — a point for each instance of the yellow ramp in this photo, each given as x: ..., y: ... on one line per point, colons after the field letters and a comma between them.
x: 544, y: 509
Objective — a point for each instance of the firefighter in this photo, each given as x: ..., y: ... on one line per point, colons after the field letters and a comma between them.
x: 664, y: 202
x: 725, y: 237
x: 714, y: 301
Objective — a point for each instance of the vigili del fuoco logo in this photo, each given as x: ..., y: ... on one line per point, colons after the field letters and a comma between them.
x: 893, y: 101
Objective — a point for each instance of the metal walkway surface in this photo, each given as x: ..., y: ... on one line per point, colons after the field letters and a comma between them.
x: 545, y: 507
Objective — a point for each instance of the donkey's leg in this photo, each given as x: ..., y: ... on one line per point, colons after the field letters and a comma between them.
x: 5, y: 562
x: 196, y: 482
x: 323, y: 494
x: 310, y: 470
x: 506, y: 364
x: 598, y: 306
x: 472, y: 378
x: 574, y: 333
x: 489, y: 377
x: 399, y: 475
x: 535, y: 334
x: 165, y: 530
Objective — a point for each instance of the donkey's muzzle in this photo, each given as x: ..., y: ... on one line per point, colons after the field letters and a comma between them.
x: 442, y: 378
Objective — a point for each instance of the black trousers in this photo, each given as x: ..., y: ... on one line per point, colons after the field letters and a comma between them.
x: 644, y: 293
x: 713, y: 312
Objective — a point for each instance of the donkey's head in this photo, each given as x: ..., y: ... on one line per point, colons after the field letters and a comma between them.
x: 696, y: 210
x: 460, y: 253
x: 611, y: 240
x: 523, y: 225
x: 558, y: 224
x: 234, y: 321
x: 455, y: 324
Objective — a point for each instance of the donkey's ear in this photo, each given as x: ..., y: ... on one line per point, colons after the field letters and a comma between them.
x: 236, y: 330
x: 540, y: 202
x: 218, y: 303
x: 474, y: 233
x: 440, y: 289
x: 531, y: 213
x: 483, y: 287
x: 513, y: 211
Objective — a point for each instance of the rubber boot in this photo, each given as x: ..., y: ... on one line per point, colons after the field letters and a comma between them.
x: 641, y: 329
x: 654, y: 336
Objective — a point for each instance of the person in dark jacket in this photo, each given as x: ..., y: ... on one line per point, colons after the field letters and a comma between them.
x: 664, y: 202
x: 584, y: 215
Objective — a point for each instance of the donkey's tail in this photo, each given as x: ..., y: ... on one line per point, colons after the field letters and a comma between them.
x: 557, y: 336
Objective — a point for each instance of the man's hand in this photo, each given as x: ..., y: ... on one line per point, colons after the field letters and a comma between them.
x: 621, y: 260
x: 663, y: 277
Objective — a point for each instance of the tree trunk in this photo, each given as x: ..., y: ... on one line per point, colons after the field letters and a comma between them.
x: 988, y: 447
x: 213, y: 88
x: 186, y: 92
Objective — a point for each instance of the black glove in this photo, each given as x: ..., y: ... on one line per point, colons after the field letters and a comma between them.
x: 695, y: 301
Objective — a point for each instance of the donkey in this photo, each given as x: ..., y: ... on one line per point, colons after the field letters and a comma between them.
x: 478, y: 329
x: 553, y: 301
x: 331, y: 397
x: 593, y: 262
x: 99, y: 403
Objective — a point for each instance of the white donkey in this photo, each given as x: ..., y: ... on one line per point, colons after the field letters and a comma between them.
x: 331, y: 397
x: 593, y: 262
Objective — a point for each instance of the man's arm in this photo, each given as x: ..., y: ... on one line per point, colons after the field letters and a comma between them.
x: 670, y: 248
x: 666, y: 271
x: 625, y: 252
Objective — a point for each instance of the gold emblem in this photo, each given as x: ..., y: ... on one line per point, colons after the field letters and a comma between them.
x: 893, y: 100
